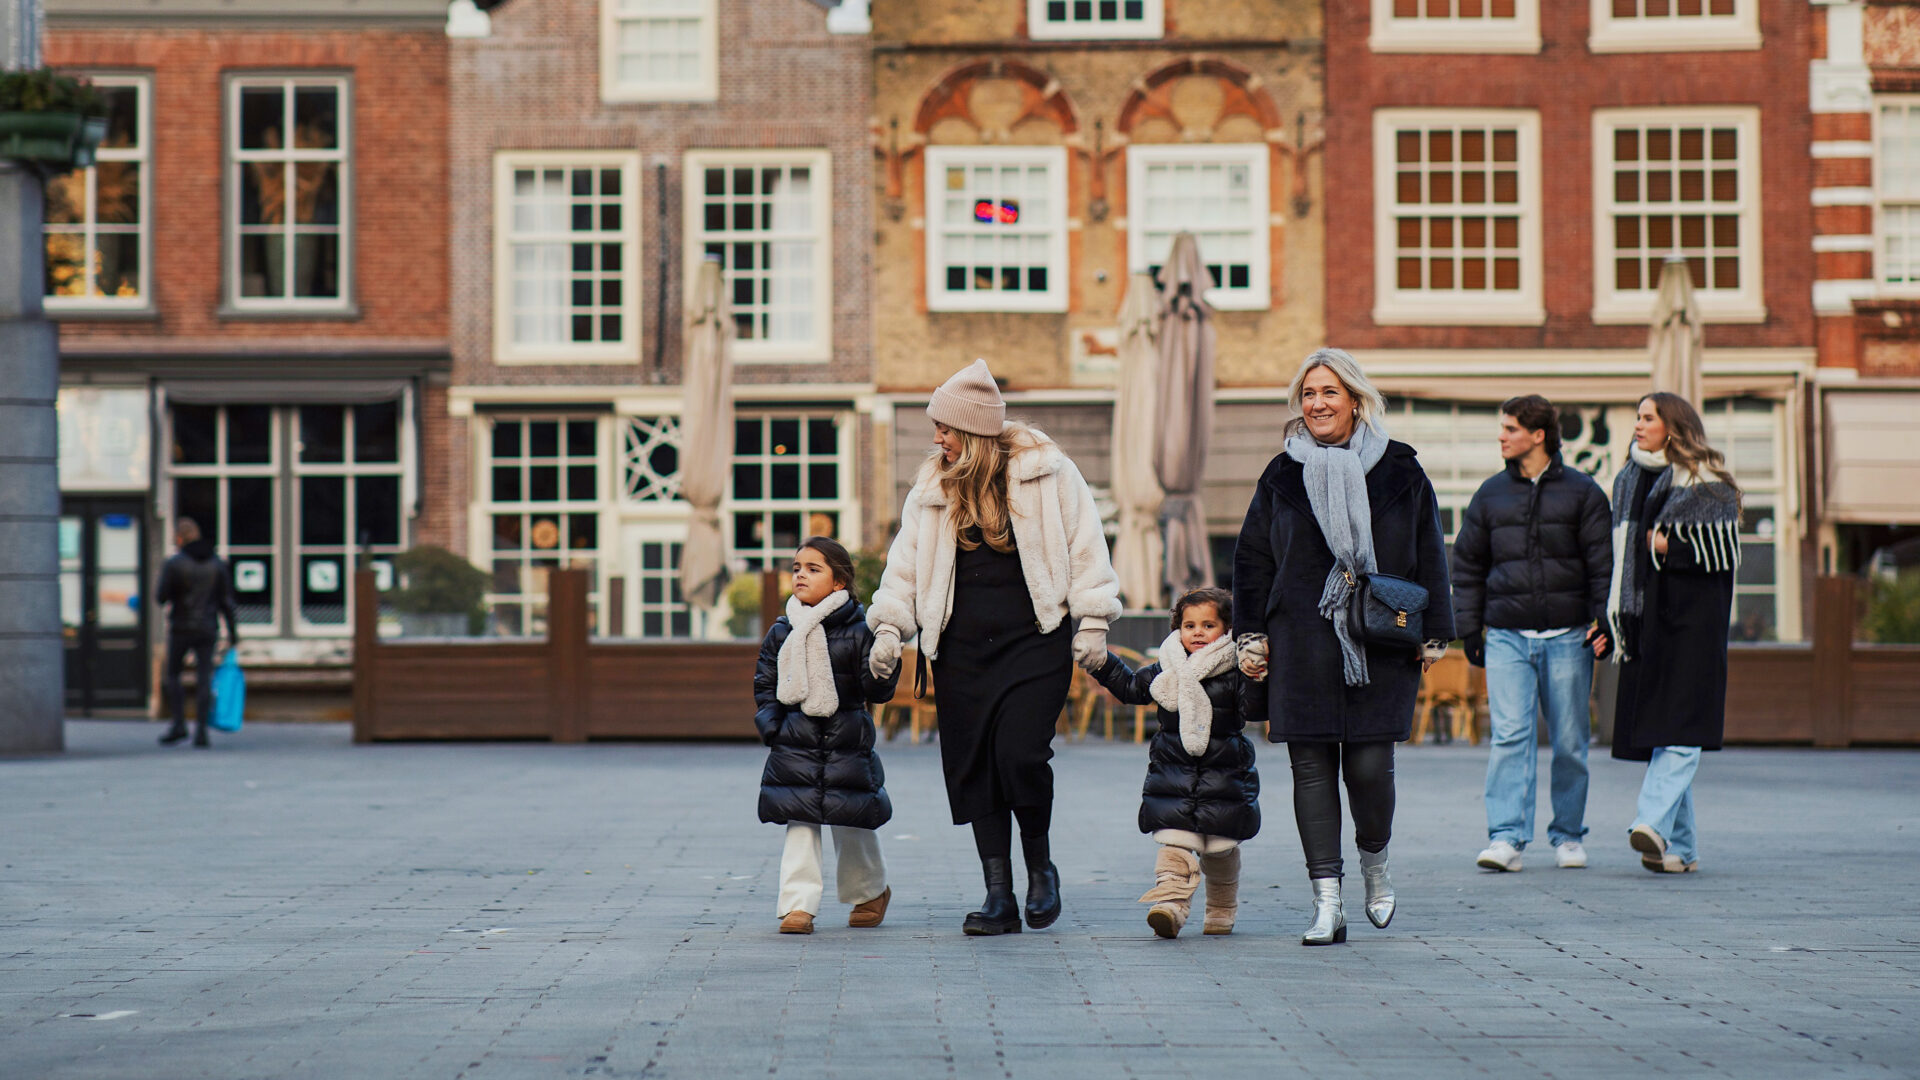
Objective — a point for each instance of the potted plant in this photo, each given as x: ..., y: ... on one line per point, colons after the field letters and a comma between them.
x: 50, y: 119
x: 440, y: 594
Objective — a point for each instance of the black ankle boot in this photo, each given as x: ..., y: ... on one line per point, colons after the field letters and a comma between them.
x: 200, y: 735
x: 1043, y: 883
x: 176, y: 733
x: 1001, y: 913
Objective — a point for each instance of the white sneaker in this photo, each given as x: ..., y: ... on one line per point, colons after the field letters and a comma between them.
x: 1570, y: 856
x: 1499, y: 855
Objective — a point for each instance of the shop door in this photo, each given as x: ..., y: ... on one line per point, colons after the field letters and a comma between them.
x: 103, y: 608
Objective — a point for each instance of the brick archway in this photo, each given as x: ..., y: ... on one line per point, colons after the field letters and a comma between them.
x: 1196, y: 97
x: 998, y: 98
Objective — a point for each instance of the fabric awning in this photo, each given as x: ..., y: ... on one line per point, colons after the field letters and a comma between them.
x: 1590, y: 389
x: 1872, y: 458
x: 284, y: 391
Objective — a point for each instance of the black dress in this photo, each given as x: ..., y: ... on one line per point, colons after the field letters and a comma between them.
x: 999, y: 685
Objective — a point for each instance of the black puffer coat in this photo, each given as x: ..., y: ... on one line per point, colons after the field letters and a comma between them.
x: 823, y: 769
x: 1215, y: 794
x: 1533, y: 555
x: 1279, y: 571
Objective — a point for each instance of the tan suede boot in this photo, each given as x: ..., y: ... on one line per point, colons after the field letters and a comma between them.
x: 1222, y: 871
x: 868, y: 913
x: 797, y: 922
x: 1176, y: 875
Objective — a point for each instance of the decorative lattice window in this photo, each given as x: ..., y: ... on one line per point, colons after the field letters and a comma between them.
x: 650, y: 462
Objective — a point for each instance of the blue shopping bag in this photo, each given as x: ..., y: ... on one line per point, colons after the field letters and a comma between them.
x: 229, y: 692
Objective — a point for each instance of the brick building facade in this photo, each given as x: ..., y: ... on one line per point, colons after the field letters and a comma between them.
x: 1865, y: 84
x: 600, y: 154
x: 1518, y: 173
x: 1031, y: 154
x: 251, y: 288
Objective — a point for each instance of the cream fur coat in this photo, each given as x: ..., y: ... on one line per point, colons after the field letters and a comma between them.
x: 1063, y: 553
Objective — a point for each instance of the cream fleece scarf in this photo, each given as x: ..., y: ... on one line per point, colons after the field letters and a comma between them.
x: 806, y: 671
x: 1177, y: 688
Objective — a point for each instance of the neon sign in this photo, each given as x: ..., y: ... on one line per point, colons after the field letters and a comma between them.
x: 989, y: 211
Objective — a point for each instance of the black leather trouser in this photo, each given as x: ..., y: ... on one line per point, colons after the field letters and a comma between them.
x: 1317, y: 768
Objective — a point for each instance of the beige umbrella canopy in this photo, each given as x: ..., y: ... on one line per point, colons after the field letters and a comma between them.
x: 1185, y: 410
x: 1675, y: 337
x: 706, y: 436
x: 1136, y: 490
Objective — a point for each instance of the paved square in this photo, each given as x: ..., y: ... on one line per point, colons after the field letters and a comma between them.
x: 288, y: 904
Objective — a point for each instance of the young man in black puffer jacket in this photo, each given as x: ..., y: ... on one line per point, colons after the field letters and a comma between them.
x: 1202, y: 795
x: 1531, y: 567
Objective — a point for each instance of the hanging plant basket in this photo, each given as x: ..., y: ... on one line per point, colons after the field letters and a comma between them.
x: 50, y: 119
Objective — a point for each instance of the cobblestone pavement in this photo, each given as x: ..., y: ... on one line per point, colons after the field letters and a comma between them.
x: 288, y: 904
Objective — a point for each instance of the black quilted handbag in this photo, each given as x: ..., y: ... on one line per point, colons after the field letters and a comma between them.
x: 1388, y: 612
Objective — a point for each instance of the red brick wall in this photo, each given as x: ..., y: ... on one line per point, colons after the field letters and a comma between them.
x: 399, y: 173
x: 1566, y: 82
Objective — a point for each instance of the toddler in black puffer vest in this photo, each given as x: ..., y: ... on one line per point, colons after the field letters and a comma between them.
x: 1202, y: 795
x: 811, y: 690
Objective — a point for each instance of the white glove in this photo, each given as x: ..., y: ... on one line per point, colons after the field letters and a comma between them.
x: 1251, y: 650
x: 884, y: 658
x: 1090, y: 650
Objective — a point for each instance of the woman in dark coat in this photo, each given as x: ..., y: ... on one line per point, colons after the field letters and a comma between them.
x: 811, y: 700
x: 1676, y: 514
x: 1342, y: 501
x: 1202, y: 794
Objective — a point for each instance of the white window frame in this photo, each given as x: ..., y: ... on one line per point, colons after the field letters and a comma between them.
x: 625, y: 351
x: 1258, y: 294
x: 1394, y: 306
x: 817, y: 347
x: 1674, y: 33
x: 349, y: 470
x: 704, y: 88
x: 1151, y: 25
x: 223, y: 472
x: 142, y: 155
x: 941, y: 158
x: 483, y: 508
x: 237, y: 159
x: 1762, y: 497
x: 1452, y: 34
x: 846, y: 506
x: 670, y: 533
x: 1745, y: 305
x: 1884, y: 196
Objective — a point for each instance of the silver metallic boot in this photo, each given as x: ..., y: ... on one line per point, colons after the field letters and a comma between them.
x: 1373, y: 866
x: 1329, y: 917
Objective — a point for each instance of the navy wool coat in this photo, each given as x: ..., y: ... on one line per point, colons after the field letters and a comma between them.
x: 823, y: 769
x: 1279, y: 571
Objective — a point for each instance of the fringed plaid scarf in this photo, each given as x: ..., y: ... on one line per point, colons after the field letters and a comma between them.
x: 1699, y: 511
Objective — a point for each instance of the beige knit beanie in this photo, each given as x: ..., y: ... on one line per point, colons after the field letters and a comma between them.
x: 970, y: 402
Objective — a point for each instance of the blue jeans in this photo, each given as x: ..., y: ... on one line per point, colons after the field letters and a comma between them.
x: 1524, y: 676
x: 1666, y: 798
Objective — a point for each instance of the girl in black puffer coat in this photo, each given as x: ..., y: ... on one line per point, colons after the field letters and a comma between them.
x: 1202, y: 795
x: 812, y: 687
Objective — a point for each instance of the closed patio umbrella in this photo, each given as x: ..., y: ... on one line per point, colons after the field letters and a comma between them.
x: 706, y: 436
x: 1136, y: 490
x: 1186, y: 342
x: 1675, y: 336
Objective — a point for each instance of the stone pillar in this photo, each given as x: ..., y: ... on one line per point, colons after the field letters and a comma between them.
x: 32, y: 674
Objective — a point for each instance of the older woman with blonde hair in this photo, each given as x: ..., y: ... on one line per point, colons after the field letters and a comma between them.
x: 1341, y: 581
x: 999, y: 548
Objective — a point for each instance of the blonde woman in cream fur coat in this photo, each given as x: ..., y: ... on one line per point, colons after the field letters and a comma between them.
x: 999, y: 547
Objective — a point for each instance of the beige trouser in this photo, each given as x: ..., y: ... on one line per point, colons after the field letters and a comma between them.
x: 859, y: 873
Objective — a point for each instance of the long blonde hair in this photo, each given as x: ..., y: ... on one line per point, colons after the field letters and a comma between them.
x: 975, y: 484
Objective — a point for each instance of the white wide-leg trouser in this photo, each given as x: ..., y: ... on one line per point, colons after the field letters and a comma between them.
x: 859, y: 873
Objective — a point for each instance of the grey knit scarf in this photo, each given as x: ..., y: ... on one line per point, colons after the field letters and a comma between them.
x: 1336, y: 479
x: 1699, y: 510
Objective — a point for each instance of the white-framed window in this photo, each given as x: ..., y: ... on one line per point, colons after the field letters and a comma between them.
x: 659, y: 50
x: 1748, y: 432
x: 347, y: 473
x: 767, y: 216
x: 660, y: 610
x: 1684, y: 182
x: 792, y: 478
x: 99, y: 220
x: 1673, y: 25
x: 1080, y: 19
x: 543, y: 508
x: 567, y: 257
x: 1457, y: 216
x: 1896, y: 187
x: 1465, y: 26
x: 1217, y: 192
x: 225, y: 470
x: 289, y: 182
x: 996, y: 228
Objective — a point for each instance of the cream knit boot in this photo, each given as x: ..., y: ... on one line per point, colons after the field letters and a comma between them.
x: 1222, y: 871
x: 1176, y: 875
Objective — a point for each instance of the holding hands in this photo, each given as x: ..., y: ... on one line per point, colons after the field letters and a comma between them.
x: 1251, y: 650
x: 884, y: 658
x: 1090, y: 650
